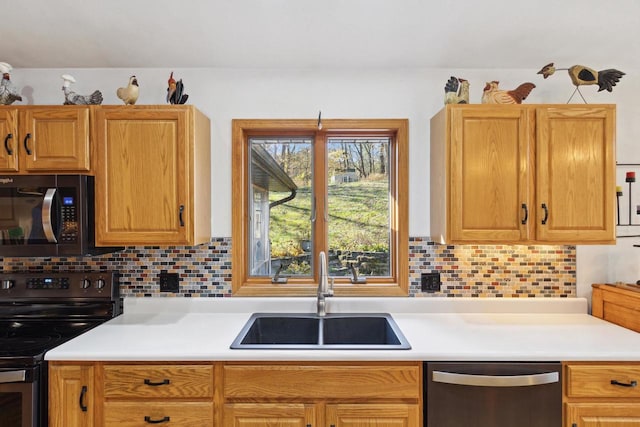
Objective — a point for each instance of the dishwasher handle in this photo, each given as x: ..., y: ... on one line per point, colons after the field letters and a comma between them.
x: 495, y: 380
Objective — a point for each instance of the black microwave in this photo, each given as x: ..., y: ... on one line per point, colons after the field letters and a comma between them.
x: 47, y: 216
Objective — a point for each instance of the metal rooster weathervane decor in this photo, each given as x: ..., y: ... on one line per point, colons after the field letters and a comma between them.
x: 582, y: 76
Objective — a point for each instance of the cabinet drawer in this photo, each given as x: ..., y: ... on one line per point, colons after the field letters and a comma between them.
x: 181, y: 381
x: 322, y: 381
x: 603, y: 381
x: 143, y: 414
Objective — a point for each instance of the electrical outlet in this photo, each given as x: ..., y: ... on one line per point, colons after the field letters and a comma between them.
x: 169, y: 282
x: 430, y: 282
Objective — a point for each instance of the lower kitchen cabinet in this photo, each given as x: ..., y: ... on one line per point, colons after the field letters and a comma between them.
x: 603, y: 414
x: 322, y: 394
x: 602, y: 394
x: 335, y: 415
x: 269, y: 414
x: 238, y: 394
x: 71, y: 395
x: 619, y: 304
x: 373, y: 415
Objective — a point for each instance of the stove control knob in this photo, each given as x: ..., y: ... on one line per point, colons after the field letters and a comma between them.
x: 7, y: 284
x: 100, y: 283
x: 86, y: 283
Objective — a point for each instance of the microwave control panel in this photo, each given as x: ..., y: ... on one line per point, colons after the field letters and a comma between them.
x: 69, y: 212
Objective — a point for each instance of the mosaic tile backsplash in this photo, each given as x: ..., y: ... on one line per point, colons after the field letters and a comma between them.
x: 466, y: 270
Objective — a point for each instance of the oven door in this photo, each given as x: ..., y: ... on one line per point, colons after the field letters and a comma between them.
x: 19, y: 398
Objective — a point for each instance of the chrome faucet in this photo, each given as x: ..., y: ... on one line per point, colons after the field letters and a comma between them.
x: 324, y: 288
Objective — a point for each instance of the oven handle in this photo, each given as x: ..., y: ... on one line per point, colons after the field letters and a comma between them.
x: 47, y: 214
x: 496, y: 380
x: 13, y: 376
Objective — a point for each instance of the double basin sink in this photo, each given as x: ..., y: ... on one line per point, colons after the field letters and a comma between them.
x: 307, y: 331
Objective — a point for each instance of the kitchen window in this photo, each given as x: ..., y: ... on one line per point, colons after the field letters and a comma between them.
x: 300, y: 188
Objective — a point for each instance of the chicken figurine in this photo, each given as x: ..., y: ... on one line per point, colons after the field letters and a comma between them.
x: 129, y: 94
x: 8, y: 91
x: 456, y: 91
x: 582, y: 76
x: 493, y: 95
x: 72, y: 98
x: 175, y: 91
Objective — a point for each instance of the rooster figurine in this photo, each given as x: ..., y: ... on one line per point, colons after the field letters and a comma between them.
x: 175, y: 91
x: 8, y: 91
x: 456, y: 91
x: 582, y: 76
x: 493, y: 95
x: 72, y: 98
x: 129, y: 94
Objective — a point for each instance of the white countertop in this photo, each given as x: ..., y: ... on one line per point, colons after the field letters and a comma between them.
x: 453, y: 329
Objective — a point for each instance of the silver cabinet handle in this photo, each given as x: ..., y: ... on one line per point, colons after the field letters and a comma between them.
x: 495, y: 380
x: 47, y: 225
x: 13, y: 376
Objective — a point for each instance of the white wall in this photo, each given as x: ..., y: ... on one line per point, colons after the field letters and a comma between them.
x: 416, y: 94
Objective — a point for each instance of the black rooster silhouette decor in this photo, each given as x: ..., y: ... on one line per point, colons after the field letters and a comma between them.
x: 581, y: 76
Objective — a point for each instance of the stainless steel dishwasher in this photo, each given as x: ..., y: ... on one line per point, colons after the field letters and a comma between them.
x: 492, y: 394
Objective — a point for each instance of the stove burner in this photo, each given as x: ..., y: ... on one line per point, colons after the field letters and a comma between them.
x: 21, y: 338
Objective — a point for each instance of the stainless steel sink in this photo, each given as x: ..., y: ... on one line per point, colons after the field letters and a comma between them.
x: 304, y: 331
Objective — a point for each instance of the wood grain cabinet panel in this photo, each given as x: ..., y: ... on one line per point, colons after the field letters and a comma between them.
x: 319, y: 394
x: 619, y: 304
x: 48, y: 139
x: 603, y: 415
x: 152, y: 176
x: 601, y: 394
x: 143, y: 414
x: 373, y: 415
x: 523, y: 174
x: 158, y: 381
x: 269, y: 415
x: 71, y: 395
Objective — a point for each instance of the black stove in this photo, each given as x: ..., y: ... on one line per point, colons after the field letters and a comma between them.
x: 39, y: 311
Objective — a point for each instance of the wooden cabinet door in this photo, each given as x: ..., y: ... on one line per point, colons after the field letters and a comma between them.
x: 71, y: 396
x: 490, y: 174
x: 142, y: 177
x: 602, y: 415
x: 575, y: 174
x: 9, y: 136
x: 54, y: 139
x: 269, y: 415
x: 373, y: 415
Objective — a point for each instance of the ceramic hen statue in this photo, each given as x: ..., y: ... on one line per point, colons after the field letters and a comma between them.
x: 8, y: 91
x: 72, y: 98
x: 493, y: 95
x: 129, y: 94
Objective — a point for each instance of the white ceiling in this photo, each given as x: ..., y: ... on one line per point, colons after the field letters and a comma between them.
x: 320, y: 33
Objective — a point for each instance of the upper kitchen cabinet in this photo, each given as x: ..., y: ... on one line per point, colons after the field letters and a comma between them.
x: 49, y: 139
x: 523, y: 174
x: 152, y: 175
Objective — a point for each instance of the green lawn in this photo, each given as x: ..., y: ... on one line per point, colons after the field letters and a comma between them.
x: 358, y: 219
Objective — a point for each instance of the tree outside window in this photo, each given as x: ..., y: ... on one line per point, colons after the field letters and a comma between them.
x: 299, y: 190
